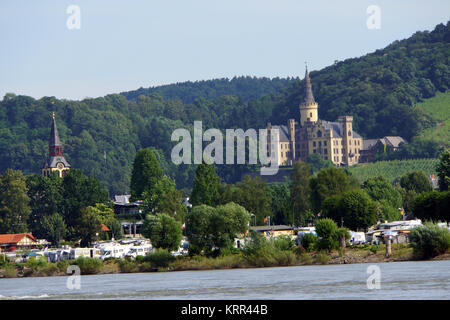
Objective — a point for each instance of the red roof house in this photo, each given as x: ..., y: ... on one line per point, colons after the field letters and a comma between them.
x: 18, y: 240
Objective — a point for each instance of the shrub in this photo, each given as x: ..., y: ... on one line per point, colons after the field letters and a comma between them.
x: 48, y: 270
x: 128, y: 266
x: 62, y: 265
x: 283, y: 243
x: 309, y: 241
x: 88, y: 265
x: 3, y: 260
x: 159, y: 258
x: 36, y: 263
x: 429, y: 240
x: 10, y: 272
x: 305, y: 258
x: 322, y: 258
x: 326, y: 230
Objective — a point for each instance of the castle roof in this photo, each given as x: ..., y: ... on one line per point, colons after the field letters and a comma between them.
x: 309, y: 97
x: 337, y: 128
x: 284, y: 134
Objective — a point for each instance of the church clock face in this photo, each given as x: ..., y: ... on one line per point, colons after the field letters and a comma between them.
x: 60, y: 165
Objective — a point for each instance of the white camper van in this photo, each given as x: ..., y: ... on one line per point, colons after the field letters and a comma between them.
x: 84, y: 252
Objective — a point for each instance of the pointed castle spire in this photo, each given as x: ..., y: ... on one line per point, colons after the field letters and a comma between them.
x: 309, y: 98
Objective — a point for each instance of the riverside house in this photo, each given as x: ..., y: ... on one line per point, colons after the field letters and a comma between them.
x: 18, y: 241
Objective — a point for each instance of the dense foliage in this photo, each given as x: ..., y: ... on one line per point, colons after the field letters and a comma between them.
x: 430, y: 240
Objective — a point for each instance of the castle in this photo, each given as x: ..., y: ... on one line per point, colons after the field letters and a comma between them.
x: 55, y: 161
x: 334, y: 141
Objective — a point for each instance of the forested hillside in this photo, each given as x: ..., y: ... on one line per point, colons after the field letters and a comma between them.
x: 101, y: 135
x: 245, y: 88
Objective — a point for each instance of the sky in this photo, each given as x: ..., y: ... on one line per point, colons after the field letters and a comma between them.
x: 125, y: 45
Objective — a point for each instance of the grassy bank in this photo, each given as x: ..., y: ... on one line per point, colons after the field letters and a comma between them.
x: 239, y: 259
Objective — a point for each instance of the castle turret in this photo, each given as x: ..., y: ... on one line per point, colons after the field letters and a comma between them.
x: 309, y: 107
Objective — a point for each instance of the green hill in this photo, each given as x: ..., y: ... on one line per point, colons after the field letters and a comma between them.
x: 439, y: 108
x: 379, y: 89
x: 245, y: 88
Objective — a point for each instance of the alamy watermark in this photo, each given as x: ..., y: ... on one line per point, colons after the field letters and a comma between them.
x: 213, y: 153
x: 374, y: 280
x: 373, y: 22
x: 73, y: 22
x: 74, y: 280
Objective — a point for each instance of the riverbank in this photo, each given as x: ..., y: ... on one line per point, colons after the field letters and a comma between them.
x: 351, y: 255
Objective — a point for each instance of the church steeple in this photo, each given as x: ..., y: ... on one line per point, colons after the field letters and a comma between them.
x: 54, y: 145
x: 56, y: 161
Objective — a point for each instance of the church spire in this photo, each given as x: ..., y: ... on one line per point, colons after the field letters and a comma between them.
x: 55, y: 143
x: 309, y: 98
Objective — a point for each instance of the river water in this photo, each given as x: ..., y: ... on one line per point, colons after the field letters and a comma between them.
x: 398, y: 280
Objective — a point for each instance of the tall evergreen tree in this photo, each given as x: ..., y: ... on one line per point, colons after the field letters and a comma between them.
x: 14, y: 202
x: 206, y: 186
x: 300, y: 191
x: 146, y: 173
x: 443, y: 170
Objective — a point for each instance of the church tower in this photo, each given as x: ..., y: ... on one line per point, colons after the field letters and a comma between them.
x: 309, y: 107
x: 56, y: 161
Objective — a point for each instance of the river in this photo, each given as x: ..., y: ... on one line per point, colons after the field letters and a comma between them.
x: 398, y: 280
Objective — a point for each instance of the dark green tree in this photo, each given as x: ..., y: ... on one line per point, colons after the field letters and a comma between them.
x: 329, y: 182
x: 163, y: 231
x: 14, y: 202
x: 300, y: 191
x: 198, y: 228
x: 53, y: 228
x: 146, y: 173
x: 416, y: 181
x: 45, y: 200
x: 206, y: 186
x: 443, y: 170
x: 89, y: 227
x: 79, y: 191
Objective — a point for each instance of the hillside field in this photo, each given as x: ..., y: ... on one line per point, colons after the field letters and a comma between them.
x: 390, y: 170
x: 439, y: 107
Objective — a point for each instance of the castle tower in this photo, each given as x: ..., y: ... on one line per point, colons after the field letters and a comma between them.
x: 309, y: 107
x: 347, y: 131
x: 291, y: 131
x: 56, y: 161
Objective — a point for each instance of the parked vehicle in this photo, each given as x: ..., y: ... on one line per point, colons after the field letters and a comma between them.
x: 84, y: 252
x: 138, y: 251
x: 117, y: 251
x: 357, y: 237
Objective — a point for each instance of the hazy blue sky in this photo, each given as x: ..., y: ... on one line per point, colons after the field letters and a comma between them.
x: 124, y: 45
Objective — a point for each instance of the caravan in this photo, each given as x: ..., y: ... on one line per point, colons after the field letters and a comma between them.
x: 138, y: 251
x: 84, y: 252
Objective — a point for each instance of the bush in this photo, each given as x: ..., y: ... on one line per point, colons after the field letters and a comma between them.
x: 305, y: 258
x: 128, y: 266
x: 62, y: 265
x: 10, y: 272
x: 159, y: 258
x: 4, y: 261
x: 322, y: 258
x: 309, y: 241
x: 283, y: 243
x: 429, y: 240
x: 88, y: 265
x: 48, y: 270
x: 326, y: 230
x: 36, y: 263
